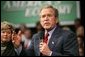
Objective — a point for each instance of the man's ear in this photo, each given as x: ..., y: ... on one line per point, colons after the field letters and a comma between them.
x: 57, y: 20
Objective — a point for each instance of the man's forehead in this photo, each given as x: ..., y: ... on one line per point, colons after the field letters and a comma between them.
x: 46, y: 10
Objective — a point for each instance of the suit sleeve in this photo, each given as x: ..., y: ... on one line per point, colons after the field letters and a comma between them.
x: 30, y: 51
x: 70, y: 46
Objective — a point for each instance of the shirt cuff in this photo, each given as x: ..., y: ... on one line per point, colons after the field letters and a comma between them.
x: 50, y: 53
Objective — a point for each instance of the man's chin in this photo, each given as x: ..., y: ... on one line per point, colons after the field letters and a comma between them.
x: 47, y: 28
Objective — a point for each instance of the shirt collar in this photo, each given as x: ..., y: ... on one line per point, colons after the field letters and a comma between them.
x: 51, y: 31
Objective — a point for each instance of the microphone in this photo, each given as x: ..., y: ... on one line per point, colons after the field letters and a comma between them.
x: 41, y: 38
x: 41, y: 34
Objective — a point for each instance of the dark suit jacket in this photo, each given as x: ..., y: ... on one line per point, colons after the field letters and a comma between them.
x: 11, y: 52
x: 62, y: 43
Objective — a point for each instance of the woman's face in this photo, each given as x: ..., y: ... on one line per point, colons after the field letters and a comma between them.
x: 6, y: 35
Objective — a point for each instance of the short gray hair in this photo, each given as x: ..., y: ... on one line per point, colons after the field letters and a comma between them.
x: 50, y: 6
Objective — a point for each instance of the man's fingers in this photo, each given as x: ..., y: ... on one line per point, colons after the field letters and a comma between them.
x: 13, y: 36
x: 19, y: 33
x: 41, y: 46
x: 41, y: 43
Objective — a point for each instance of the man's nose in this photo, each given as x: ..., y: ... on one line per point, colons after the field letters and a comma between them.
x: 46, y: 18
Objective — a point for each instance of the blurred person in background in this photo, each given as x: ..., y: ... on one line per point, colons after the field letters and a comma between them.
x: 8, y: 46
x: 22, y: 28
x: 28, y: 36
x: 39, y: 27
x: 80, y: 35
x: 66, y: 28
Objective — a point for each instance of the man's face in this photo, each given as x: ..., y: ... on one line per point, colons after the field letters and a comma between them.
x: 47, y: 18
x: 77, y: 24
x: 27, y: 33
x: 5, y: 35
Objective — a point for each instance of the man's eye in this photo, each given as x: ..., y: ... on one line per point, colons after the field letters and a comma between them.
x: 49, y: 15
x: 43, y: 16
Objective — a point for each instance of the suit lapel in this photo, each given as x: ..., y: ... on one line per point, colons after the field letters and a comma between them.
x: 53, y: 39
x: 37, y: 46
x: 39, y: 37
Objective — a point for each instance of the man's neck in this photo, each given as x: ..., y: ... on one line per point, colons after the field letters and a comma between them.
x: 47, y: 30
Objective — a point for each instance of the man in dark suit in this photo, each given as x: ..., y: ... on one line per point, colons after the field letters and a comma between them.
x: 60, y: 42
